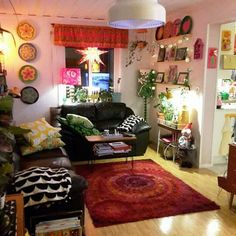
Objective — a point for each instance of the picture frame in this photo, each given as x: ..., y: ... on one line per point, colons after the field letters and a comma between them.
x: 173, y: 71
x: 161, y: 54
x: 183, y: 78
x: 172, y: 53
x: 160, y: 77
x: 181, y: 54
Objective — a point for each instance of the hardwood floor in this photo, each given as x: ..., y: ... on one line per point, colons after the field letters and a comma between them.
x: 210, y: 223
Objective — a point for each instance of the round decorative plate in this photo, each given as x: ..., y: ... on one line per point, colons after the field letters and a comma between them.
x: 159, y: 33
x: 27, y: 52
x: 26, y: 31
x: 186, y: 25
x: 28, y: 74
x: 29, y: 95
x: 176, y: 28
x: 167, y: 29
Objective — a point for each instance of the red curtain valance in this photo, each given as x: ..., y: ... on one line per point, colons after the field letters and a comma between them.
x: 90, y: 36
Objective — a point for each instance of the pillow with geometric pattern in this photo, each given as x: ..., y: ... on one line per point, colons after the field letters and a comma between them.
x: 129, y: 123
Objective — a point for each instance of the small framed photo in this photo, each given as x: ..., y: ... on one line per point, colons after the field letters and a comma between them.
x: 160, y: 77
x: 181, y: 54
x: 161, y: 54
x: 183, y: 78
x: 172, y: 73
x: 172, y: 53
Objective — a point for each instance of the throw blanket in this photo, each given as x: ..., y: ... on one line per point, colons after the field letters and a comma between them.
x: 42, y: 184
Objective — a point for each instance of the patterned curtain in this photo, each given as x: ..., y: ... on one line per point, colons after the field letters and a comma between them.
x: 90, y: 36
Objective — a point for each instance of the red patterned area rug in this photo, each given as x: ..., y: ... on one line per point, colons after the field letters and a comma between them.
x: 118, y: 193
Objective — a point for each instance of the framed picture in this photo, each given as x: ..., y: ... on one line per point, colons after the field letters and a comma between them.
x: 181, y: 54
x: 161, y: 54
x: 160, y: 77
x: 172, y: 73
x: 172, y: 53
x: 182, y: 78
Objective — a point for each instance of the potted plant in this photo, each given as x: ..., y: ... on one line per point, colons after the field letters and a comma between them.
x: 165, y: 109
x: 147, y: 88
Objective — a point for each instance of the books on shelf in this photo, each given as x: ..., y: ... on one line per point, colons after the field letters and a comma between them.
x: 103, y: 149
x: 120, y: 147
x: 62, y: 227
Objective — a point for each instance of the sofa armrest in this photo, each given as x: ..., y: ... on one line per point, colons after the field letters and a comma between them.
x: 141, y: 127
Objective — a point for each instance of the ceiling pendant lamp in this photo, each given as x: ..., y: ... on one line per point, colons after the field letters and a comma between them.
x: 136, y: 14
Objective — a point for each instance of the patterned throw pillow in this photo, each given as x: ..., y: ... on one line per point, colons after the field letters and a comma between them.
x: 40, y: 130
x: 49, y: 143
x: 129, y: 123
x: 42, y: 184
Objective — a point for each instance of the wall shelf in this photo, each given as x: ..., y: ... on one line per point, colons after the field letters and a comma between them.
x: 175, y: 38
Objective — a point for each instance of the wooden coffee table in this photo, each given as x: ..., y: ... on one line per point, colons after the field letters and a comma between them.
x: 93, y: 139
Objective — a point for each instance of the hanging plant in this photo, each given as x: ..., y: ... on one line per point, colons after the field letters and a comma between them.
x: 135, y: 47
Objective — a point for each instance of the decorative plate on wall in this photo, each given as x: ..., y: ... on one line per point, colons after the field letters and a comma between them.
x: 28, y: 74
x: 27, y: 52
x: 29, y: 95
x: 186, y: 25
x: 159, y: 33
x: 176, y: 28
x: 26, y: 31
x: 167, y: 29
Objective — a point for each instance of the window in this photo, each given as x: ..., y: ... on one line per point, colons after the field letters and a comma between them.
x: 95, y: 76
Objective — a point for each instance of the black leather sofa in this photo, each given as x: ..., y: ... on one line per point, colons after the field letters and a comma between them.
x: 73, y: 206
x: 104, y: 115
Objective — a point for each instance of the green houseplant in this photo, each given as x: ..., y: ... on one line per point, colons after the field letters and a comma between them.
x: 147, y: 89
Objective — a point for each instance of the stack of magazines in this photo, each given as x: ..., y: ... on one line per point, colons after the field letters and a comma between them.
x: 67, y: 226
x: 103, y: 149
x: 120, y: 147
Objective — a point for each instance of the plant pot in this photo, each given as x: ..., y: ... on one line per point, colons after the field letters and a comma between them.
x: 160, y: 116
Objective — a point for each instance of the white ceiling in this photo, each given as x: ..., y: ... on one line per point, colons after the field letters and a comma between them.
x: 78, y: 9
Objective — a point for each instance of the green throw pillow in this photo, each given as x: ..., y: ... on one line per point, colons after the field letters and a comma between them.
x: 78, y: 120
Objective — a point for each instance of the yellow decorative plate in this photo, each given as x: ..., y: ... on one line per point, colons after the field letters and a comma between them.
x: 26, y: 31
x: 28, y: 74
x: 27, y: 52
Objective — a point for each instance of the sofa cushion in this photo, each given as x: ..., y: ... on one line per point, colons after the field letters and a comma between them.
x: 40, y: 130
x: 128, y: 124
x: 82, y: 109
x: 54, y: 158
x: 42, y: 184
x: 109, y: 124
x: 110, y: 111
x: 49, y: 143
x: 77, y: 120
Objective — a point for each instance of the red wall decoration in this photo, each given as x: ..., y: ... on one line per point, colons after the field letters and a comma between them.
x: 212, y: 58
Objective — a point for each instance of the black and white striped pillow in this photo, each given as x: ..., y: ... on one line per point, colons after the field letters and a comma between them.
x: 42, y: 184
x: 129, y: 123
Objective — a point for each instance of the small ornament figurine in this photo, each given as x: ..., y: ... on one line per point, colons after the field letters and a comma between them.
x: 186, y: 137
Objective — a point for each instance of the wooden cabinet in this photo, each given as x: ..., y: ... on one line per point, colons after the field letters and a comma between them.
x: 228, y: 182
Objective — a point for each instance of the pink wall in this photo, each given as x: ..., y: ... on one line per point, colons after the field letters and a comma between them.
x: 50, y: 59
x: 204, y: 15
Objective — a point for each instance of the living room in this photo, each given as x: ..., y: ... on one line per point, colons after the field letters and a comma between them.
x: 207, y: 16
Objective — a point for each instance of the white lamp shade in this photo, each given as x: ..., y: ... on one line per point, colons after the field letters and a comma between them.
x: 136, y: 14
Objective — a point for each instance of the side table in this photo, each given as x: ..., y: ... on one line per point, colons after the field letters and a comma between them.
x: 20, y: 224
x: 93, y: 139
x: 175, y: 133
